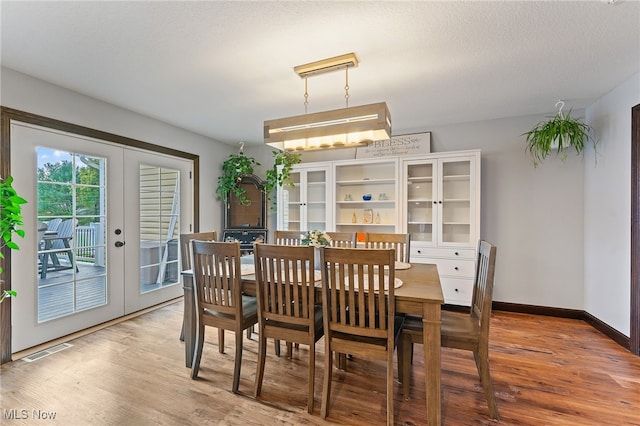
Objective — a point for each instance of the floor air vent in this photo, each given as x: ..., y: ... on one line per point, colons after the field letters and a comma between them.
x: 52, y: 350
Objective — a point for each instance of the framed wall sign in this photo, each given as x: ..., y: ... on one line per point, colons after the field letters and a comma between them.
x: 416, y: 143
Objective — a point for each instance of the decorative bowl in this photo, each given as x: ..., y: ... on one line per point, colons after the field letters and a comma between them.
x: 366, y: 197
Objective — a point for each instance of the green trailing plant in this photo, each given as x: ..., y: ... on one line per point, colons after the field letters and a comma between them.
x: 558, y: 134
x: 10, y: 222
x: 233, y: 169
x: 280, y: 174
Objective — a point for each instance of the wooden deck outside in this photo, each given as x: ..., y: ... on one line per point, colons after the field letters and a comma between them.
x: 546, y: 371
x: 56, y: 295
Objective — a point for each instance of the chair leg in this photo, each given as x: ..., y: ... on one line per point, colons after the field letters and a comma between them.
x: 238, y: 362
x: 289, y: 349
x: 312, y: 376
x: 277, y: 347
x: 400, y: 358
x: 262, y: 354
x: 249, y: 332
x: 341, y: 361
x: 221, y: 340
x: 407, y: 351
x: 197, y: 353
x: 326, y: 385
x: 482, y: 363
x: 182, y: 332
x: 390, y: 387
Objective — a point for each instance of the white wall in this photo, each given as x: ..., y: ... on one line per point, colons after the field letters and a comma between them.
x: 533, y: 215
x: 26, y: 93
x: 608, y: 207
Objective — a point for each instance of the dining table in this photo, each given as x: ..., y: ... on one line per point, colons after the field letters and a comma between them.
x: 420, y: 294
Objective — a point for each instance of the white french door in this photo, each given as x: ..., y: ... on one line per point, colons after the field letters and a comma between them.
x: 157, y: 210
x: 102, y: 226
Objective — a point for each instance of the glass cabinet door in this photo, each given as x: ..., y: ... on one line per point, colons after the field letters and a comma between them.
x: 420, y: 199
x: 455, y: 201
x: 303, y: 206
x: 316, y: 200
x: 290, y: 205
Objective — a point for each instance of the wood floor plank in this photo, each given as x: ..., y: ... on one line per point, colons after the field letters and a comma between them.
x: 545, y: 371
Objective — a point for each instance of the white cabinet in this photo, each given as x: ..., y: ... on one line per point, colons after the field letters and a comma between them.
x: 442, y: 214
x: 366, y: 195
x: 434, y: 197
x: 305, y: 206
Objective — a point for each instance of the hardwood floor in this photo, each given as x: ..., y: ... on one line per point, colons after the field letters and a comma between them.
x: 545, y: 371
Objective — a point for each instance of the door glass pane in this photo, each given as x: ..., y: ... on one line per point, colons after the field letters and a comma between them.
x: 420, y: 201
x: 159, y: 227
x: 316, y: 200
x: 456, y: 201
x: 71, y: 258
x: 291, y: 214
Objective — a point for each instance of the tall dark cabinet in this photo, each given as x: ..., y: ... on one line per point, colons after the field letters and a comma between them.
x: 246, y: 223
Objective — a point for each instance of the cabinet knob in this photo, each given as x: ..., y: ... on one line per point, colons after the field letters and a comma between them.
x: 456, y: 268
x: 439, y: 202
x: 435, y: 202
x: 456, y: 253
x: 456, y: 290
x: 419, y: 251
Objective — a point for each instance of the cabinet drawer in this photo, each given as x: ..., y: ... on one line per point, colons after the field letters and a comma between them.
x: 452, y: 253
x: 455, y: 268
x: 457, y: 291
x: 450, y: 267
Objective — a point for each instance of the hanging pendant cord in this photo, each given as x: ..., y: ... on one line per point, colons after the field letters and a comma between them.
x: 346, y: 86
x: 306, y: 95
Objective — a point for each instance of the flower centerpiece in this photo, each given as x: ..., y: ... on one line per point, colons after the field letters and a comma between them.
x: 315, y: 238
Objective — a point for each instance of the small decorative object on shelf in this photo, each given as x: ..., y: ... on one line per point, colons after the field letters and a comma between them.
x: 348, y: 197
x: 366, y: 197
x: 382, y: 196
x: 354, y: 219
x: 377, y: 217
x: 315, y: 238
x: 368, y: 216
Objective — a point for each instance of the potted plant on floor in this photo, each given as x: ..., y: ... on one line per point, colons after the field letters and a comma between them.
x: 10, y: 221
x: 558, y: 134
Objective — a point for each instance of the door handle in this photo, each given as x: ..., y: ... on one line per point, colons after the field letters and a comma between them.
x: 119, y: 243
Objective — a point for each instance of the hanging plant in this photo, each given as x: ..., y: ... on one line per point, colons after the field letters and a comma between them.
x: 280, y: 174
x: 558, y: 135
x: 233, y: 169
x: 10, y: 221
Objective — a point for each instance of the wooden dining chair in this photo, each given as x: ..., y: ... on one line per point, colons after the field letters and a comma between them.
x: 287, y: 238
x: 358, y: 318
x: 287, y: 310
x: 185, y: 264
x: 468, y: 331
x: 219, y: 299
x: 400, y: 242
x: 343, y: 239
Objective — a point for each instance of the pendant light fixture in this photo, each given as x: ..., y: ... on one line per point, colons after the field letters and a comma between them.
x: 340, y: 128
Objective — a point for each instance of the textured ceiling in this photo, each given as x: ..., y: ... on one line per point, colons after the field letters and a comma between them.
x: 221, y: 68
